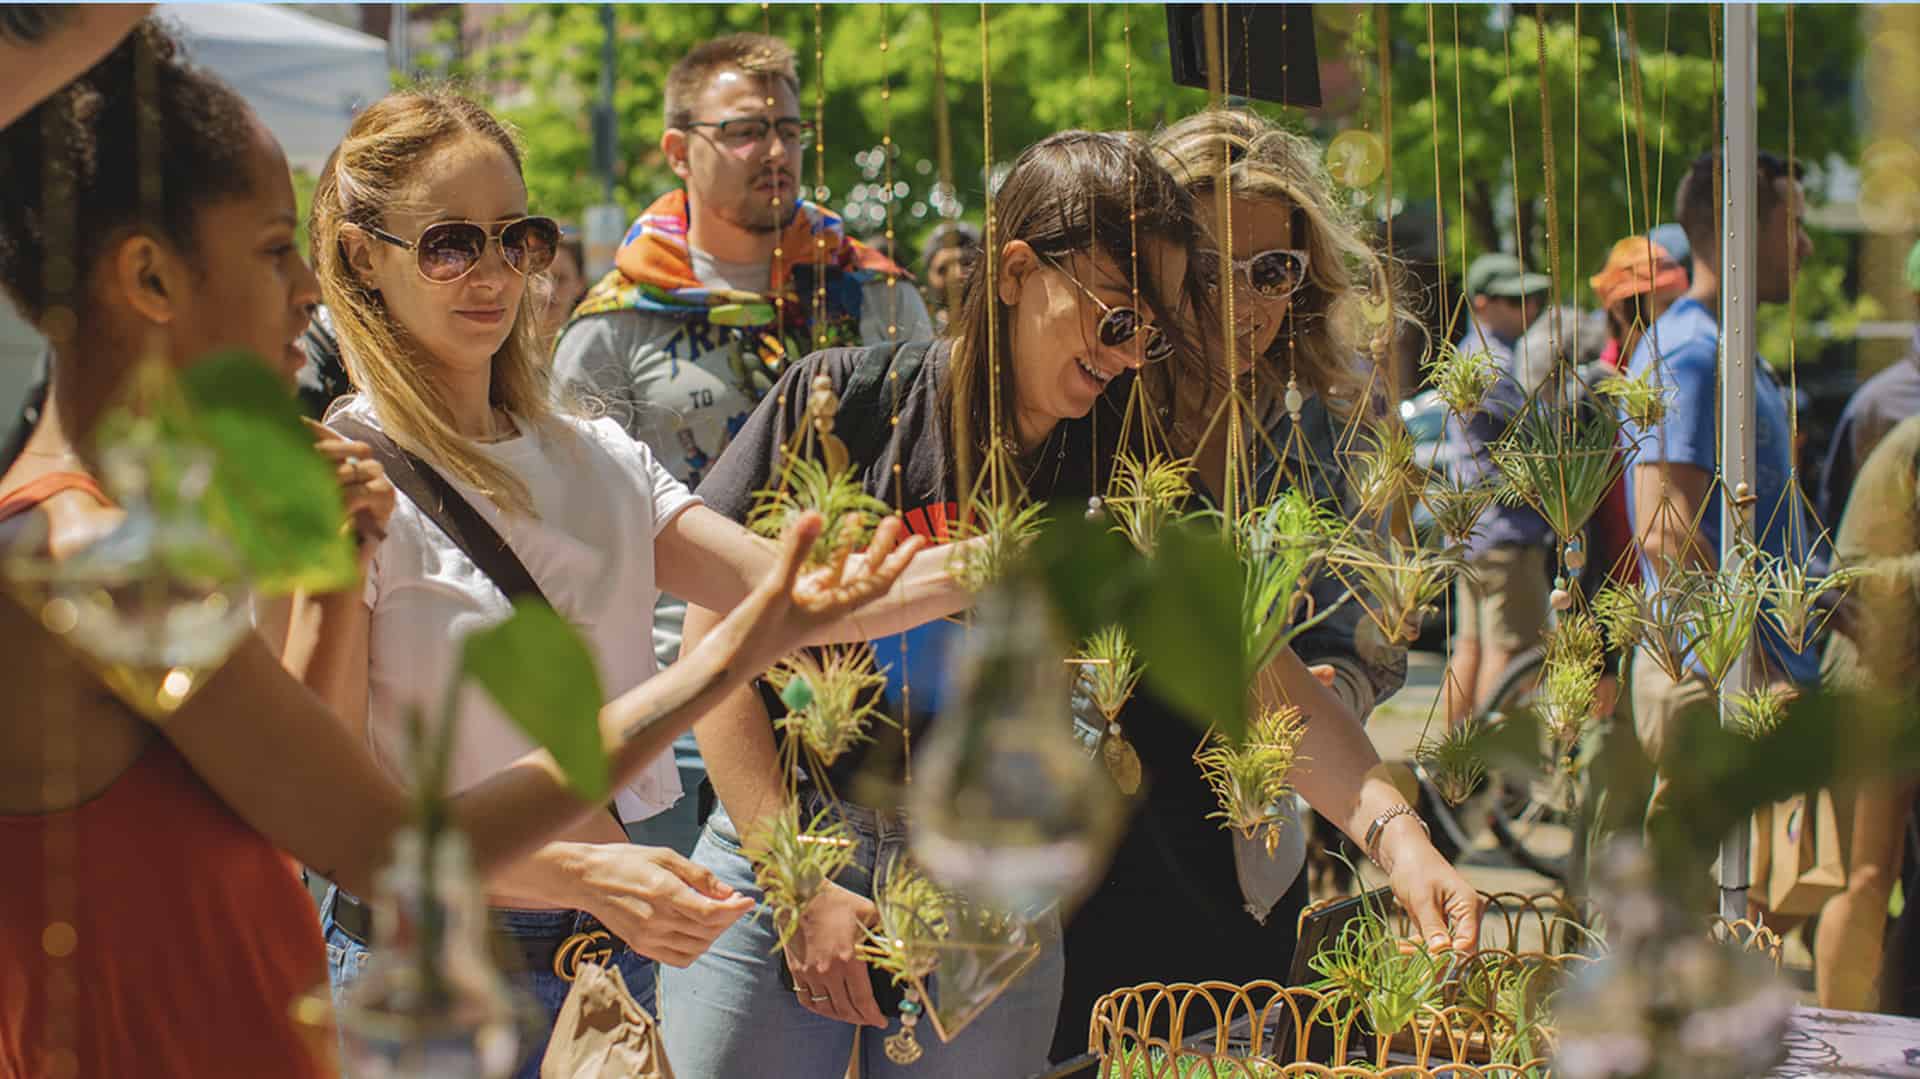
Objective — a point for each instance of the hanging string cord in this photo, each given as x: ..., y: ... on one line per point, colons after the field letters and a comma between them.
x: 994, y: 475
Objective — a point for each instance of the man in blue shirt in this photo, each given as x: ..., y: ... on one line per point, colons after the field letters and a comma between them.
x: 1502, y: 598
x: 1671, y: 483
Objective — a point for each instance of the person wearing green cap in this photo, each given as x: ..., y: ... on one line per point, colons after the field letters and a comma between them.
x: 1881, y: 401
x: 1502, y: 601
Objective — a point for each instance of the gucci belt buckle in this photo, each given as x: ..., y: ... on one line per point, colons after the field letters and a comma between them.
x: 595, y: 946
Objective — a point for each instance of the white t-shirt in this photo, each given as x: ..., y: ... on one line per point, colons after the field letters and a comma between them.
x: 601, y: 499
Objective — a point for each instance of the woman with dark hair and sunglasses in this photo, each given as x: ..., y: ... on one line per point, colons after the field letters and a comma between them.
x: 1085, y: 287
x: 424, y: 247
x: 151, y: 923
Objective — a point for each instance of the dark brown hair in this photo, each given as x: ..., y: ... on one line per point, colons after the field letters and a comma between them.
x: 752, y: 54
x: 140, y: 142
x: 1068, y: 193
x: 1696, y: 202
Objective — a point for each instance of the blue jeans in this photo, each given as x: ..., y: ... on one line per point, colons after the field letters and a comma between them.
x: 727, y: 1016
x: 346, y: 957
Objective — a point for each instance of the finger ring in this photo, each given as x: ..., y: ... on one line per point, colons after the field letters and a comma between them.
x: 353, y: 467
x: 817, y: 998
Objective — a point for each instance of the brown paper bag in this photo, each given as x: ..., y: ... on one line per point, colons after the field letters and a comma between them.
x: 1799, y: 855
x: 602, y: 1031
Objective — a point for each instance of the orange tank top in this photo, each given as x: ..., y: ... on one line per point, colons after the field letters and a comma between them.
x: 191, y: 935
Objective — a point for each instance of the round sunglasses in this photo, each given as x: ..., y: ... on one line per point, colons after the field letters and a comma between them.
x: 1119, y: 325
x: 1274, y: 274
x: 449, y: 250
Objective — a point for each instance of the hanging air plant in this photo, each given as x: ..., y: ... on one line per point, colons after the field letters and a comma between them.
x: 1640, y: 399
x: 1452, y: 762
x: 1560, y: 462
x: 912, y: 919
x: 1659, y: 622
x: 1620, y: 612
x: 1396, y: 583
x: 1111, y: 670
x: 849, y: 513
x: 1721, y: 609
x: 1145, y: 495
x: 1006, y: 528
x: 1756, y: 714
x: 1383, y: 471
x: 1574, y: 657
x: 1457, y: 506
x: 1461, y: 378
x: 1278, y: 544
x: 1250, y: 779
x: 1791, y: 598
x: 831, y: 697
x: 792, y: 861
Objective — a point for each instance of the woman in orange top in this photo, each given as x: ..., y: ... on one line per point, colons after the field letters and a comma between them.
x: 149, y: 925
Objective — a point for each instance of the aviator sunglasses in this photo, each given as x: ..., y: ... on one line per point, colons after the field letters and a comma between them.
x: 449, y: 250
x: 1119, y: 325
x: 1274, y: 274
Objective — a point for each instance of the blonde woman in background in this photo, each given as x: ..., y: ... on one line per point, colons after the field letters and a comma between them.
x: 1224, y: 908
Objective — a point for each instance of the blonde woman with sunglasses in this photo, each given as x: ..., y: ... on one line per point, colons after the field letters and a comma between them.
x: 1221, y: 907
x: 429, y: 261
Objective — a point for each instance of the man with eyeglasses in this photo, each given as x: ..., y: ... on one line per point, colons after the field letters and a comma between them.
x: 720, y: 284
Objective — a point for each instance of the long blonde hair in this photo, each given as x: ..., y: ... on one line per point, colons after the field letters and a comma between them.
x: 1321, y: 337
x: 362, y: 179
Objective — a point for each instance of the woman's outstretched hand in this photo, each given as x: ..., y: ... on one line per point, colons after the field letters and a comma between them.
x: 1445, y: 909
x: 795, y: 600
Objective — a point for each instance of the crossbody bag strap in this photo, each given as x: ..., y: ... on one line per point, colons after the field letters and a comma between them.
x: 454, y: 515
x: 447, y: 509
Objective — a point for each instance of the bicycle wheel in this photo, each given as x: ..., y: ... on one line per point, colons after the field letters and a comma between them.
x: 1528, y: 816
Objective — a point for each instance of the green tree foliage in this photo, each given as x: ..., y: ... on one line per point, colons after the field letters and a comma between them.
x: 1464, y: 83
x: 547, y: 75
x: 1617, y: 151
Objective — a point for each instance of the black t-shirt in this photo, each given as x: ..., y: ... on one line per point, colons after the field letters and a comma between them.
x: 923, y: 494
x: 1175, y: 866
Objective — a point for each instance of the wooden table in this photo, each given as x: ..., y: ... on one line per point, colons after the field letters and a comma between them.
x: 1824, y: 1042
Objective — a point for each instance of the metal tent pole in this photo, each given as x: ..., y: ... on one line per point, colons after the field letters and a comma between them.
x: 1738, y: 168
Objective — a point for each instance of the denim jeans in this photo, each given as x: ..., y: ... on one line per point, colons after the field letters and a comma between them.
x: 346, y: 957
x: 727, y: 1016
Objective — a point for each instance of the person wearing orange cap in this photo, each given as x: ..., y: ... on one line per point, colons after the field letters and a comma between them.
x: 1636, y: 286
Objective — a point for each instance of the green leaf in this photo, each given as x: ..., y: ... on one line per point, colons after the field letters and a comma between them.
x: 1094, y: 577
x: 273, y: 496
x: 1188, y: 631
x: 538, y: 670
x: 1181, y: 609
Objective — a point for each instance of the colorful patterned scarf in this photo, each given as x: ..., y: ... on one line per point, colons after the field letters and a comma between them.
x: 653, y: 274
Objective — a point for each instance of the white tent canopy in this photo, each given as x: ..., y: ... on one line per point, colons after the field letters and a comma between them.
x: 306, y: 77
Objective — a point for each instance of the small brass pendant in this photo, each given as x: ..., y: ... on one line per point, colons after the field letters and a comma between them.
x: 902, y: 1047
x: 1122, y: 763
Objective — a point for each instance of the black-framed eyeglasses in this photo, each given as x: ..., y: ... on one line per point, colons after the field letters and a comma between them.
x: 449, y: 250
x: 1121, y: 324
x: 1274, y: 274
x: 744, y: 131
